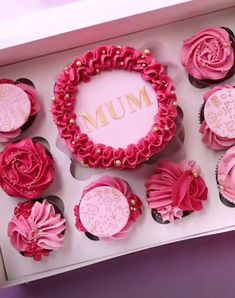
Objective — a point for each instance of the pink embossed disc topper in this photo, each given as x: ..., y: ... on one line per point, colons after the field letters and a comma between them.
x: 219, y: 112
x: 15, y: 107
x: 104, y: 211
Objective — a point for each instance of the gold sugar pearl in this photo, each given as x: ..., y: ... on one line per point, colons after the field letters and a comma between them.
x: 77, y: 137
x: 118, y: 52
x: 167, y: 128
x: 118, y: 162
x: 155, y: 129
x: 79, y: 63
x: 221, y: 187
x: 67, y: 95
x: 53, y: 98
x: 97, y: 70
x: 66, y: 68
x: 132, y: 202
x: 165, y: 85
x: 226, y: 44
x: 121, y: 63
x: 103, y: 52
x: 173, y: 92
x: 98, y: 151
x: 195, y: 174
x: 142, y: 57
x: 175, y: 104
x: 71, y: 121
x: 147, y: 52
x: 143, y: 64
x: 73, y: 142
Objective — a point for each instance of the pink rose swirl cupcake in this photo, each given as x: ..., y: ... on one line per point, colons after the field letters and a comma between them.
x: 208, y: 56
x: 217, y: 116
x: 175, y: 190
x: 26, y: 169
x: 36, y: 229
x: 107, y: 209
x: 19, y: 106
x: 225, y: 176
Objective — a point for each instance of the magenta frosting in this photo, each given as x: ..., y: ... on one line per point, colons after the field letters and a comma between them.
x: 33, y: 97
x: 174, y: 188
x: 226, y: 175
x: 36, y: 229
x: 106, y: 58
x: 209, y: 138
x: 208, y: 54
x: 26, y: 169
x: 123, y: 187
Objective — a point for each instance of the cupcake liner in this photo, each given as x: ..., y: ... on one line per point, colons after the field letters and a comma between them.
x: 201, y: 117
x: 158, y: 218
x: 91, y: 236
x: 26, y: 81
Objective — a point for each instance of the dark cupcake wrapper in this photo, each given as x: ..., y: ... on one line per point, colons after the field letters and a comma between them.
x: 158, y: 218
x: 205, y: 83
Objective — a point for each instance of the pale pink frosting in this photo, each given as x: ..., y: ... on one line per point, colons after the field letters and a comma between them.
x: 106, y: 58
x: 174, y: 188
x: 36, y: 229
x: 208, y: 54
x: 26, y: 169
x: 33, y: 97
x: 209, y: 138
x: 226, y: 175
x: 123, y: 187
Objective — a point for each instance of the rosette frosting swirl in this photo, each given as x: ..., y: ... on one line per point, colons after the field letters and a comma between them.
x: 26, y: 169
x: 175, y: 188
x: 36, y: 229
x: 208, y: 55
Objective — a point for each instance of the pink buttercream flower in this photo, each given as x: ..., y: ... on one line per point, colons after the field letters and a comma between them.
x: 176, y: 187
x: 208, y: 55
x: 36, y: 229
x: 26, y: 169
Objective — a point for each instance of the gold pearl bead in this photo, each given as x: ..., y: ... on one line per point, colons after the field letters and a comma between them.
x: 103, y: 52
x: 143, y: 64
x: 71, y: 121
x: 81, y: 162
x: 155, y: 129
x: 167, y: 128
x: 195, y: 174
x: 121, y: 63
x: 221, y: 187
x: 97, y: 70
x: 98, y: 151
x: 175, y: 104
x: 117, y: 52
x: 165, y: 85
x: 134, y: 209
x: 53, y: 98
x: 118, y: 162
x: 173, y: 92
x: 77, y: 137
x: 131, y: 208
x: 147, y: 52
x: 142, y: 57
x: 73, y: 142
x: 66, y: 68
x: 67, y: 95
x: 79, y: 63
x: 132, y: 202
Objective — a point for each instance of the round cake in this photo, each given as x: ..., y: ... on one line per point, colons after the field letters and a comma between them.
x: 18, y: 107
x: 217, y: 118
x: 208, y: 56
x: 124, y: 116
x: 26, y: 169
x: 107, y: 209
x: 36, y: 229
x: 175, y: 190
x: 224, y: 176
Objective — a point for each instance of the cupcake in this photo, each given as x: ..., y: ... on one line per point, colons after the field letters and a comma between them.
x: 208, y: 56
x: 107, y: 209
x: 18, y: 107
x: 225, y: 174
x: 217, y: 116
x: 26, y: 169
x: 175, y: 190
x: 36, y: 229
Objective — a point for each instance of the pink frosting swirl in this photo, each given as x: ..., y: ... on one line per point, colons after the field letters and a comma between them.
x: 36, y: 229
x: 82, y: 70
x: 209, y: 138
x: 33, y: 97
x: 208, y: 54
x: 175, y: 188
x: 134, y: 202
x: 26, y: 169
x: 226, y: 175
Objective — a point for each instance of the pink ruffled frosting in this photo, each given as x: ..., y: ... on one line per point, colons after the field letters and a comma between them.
x: 208, y: 54
x: 33, y: 97
x: 36, y: 229
x: 209, y: 138
x: 26, y: 169
x: 226, y: 175
x: 133, y: 200
x: 106, y: 58
x: 174, y: 188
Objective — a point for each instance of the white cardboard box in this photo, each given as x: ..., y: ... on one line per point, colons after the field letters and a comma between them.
x: 167, y: 40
